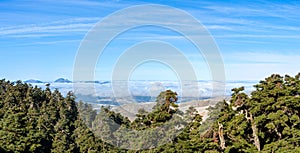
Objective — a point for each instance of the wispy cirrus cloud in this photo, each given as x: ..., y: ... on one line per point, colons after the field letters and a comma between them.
x: 254, y: 20
x: 258, y: 36
x: 56, y: 28
x: 265, y: 9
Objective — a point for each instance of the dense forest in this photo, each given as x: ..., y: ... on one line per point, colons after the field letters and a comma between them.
x: 37, y: 120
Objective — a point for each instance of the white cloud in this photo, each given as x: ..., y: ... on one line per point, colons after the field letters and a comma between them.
x: 55, y: 28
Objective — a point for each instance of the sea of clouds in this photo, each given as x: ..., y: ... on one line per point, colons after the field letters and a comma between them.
x: 124, y: 92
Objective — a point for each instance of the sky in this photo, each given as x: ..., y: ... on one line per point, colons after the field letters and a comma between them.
x: 40, y: 39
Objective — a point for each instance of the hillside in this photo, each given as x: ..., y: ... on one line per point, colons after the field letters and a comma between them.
x: 130, y: 110
x: 40, y: 120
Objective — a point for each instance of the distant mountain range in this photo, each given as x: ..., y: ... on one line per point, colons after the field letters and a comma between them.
x: 59, y: 80
x: 64, y: 80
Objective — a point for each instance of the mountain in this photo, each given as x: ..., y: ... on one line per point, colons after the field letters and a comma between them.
x: 91, y: 81
x: 96, y: 82
x: 130, y: 110
x: 62, y: 80
x: 33, y: 81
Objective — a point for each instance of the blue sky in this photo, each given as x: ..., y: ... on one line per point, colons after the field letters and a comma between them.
x: 39, y: 39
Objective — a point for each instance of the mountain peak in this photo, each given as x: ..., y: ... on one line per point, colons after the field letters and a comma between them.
x: 62, y: 80
x: 33, y: 81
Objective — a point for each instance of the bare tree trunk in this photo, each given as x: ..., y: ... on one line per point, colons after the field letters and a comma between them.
x: 168, y: 105
x: 215, y: 137
x: 254, y: 130
x: 221, y: 136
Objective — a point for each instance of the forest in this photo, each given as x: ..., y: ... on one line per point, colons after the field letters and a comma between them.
x: 40, y: 120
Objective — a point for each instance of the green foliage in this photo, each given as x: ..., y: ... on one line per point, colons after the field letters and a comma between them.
x: 267, y: 120
x: 87, y: 113
x: 36, y: 120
